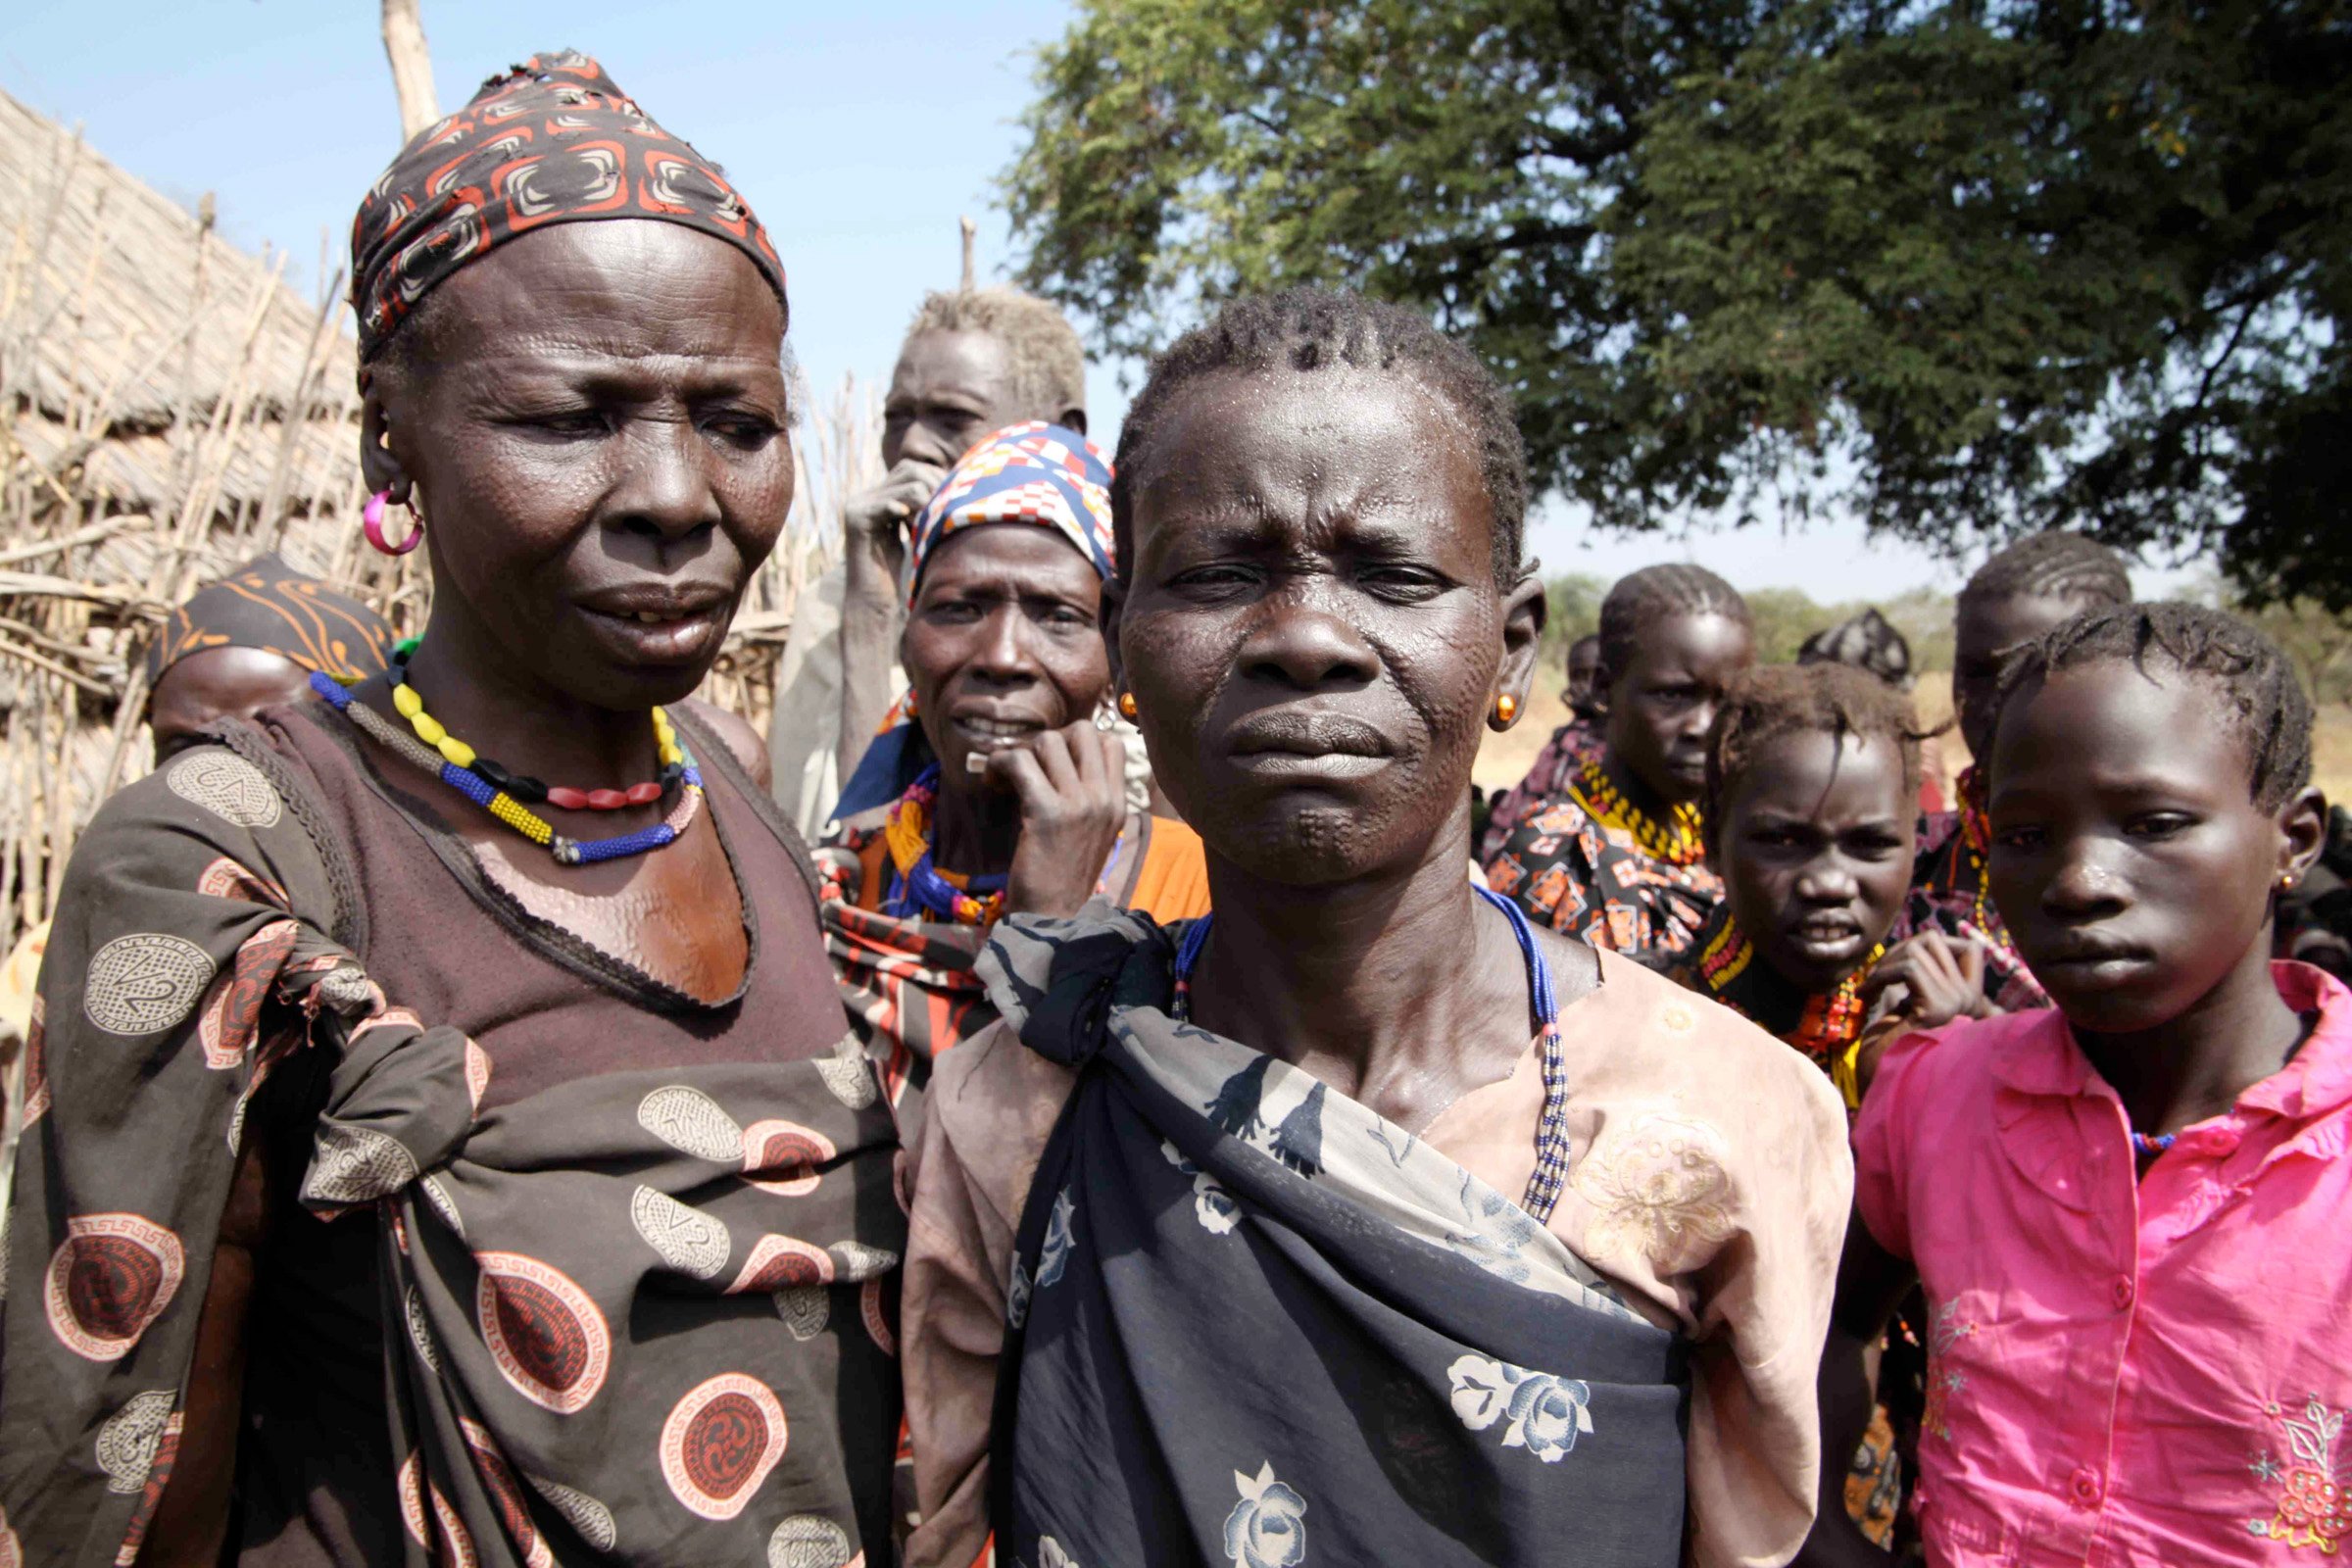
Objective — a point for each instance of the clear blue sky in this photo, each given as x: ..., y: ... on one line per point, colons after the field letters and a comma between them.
x: 859, y: 133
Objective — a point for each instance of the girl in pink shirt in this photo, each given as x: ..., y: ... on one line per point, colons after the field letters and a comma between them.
x: 2126, y: 1212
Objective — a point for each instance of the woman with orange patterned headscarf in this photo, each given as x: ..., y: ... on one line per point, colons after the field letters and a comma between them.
x: 441, y: 1142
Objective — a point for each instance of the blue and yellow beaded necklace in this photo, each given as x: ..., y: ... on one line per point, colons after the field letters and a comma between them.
x: 435, y: 751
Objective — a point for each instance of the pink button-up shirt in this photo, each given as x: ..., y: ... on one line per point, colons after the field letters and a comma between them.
x: 2151, y: 1371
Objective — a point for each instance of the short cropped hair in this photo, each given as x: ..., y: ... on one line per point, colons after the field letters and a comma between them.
x: 1048, y: 363
x: 1310, y: 329
x: 1824, y: 699
x: 2259, y: 693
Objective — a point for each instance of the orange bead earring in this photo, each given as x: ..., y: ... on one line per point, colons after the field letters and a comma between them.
x: 1127, y: 706
x: 1506, y: 708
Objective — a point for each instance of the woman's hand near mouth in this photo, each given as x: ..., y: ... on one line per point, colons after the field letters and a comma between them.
x: 1072, y: 783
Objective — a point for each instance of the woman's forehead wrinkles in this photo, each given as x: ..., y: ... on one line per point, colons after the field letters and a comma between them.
x: 576, y: 361
x: 1332, y: 502
x: 575, y: 357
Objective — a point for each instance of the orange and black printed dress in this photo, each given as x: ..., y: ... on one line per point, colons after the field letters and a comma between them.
x: 908, y: 982
x: 1590, y: 865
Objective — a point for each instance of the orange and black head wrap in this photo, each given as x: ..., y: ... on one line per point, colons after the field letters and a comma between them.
x: 268, y: 605
x: 551, y: 142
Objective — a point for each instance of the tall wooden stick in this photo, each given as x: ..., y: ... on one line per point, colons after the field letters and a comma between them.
x: 411, y: 66
x: 971, y: 230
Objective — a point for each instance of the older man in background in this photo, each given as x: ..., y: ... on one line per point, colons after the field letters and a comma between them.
x: 973, y: 361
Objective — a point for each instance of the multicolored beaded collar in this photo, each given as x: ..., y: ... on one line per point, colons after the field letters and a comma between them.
x: 1832, y: 1019
x: 919, y: 886
x: 442, y: 758
x: 522, y: 786
x: 1679, y: 841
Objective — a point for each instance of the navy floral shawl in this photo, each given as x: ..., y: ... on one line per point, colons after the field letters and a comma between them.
x: 1251, y: 1322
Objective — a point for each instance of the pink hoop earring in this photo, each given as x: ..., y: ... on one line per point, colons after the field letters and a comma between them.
x: 372, y: 524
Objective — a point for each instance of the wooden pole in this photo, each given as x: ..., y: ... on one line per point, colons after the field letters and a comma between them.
x: 970, y: 231
x: 411, y: 66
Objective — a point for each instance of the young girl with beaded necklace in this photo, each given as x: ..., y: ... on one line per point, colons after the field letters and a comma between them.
x: 1812, y: 771
x: 1618, y: 858
x: 2126, y: 1211
x: 1359, y: 1220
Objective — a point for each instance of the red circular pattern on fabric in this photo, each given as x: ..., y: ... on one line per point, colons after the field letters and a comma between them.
x: 112, y: 1276
x: 877, y: 1325
x: 783, y: 1147
x: 543, y: 1336
x: 457, y: 1547
x: 224, y: 878
x: 782, y: 1156
x: 231, y: 1012
x: 37, y: 1066
x: 411, y: 1484
x: 546, y: 1336
x: 721, y: 1441
x: 725, y: 1445
x: 782, y: 1263
x: 505, y: 1496
x: 477, y: 1075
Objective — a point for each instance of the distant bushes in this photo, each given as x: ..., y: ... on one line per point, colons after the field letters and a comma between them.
x: 1785, y: 618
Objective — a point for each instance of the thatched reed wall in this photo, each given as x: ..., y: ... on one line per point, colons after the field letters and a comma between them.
x: 169, y: 407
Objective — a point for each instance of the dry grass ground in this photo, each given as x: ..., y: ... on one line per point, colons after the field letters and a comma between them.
x: 1504, y: 759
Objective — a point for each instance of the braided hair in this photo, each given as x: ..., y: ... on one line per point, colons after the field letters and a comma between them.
x: 1822, y: 699
x: 1656, y: 594
x: 2056, y: 566
x: 1309, y: 329
x: 2260, y: 695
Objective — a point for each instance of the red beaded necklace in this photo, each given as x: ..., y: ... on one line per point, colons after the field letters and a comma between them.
x: 1832, y: 1019
x: 522, y: 786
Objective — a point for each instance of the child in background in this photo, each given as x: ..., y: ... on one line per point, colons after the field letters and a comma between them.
x: 1954, y: 957
x: 1811, y: 774
x: 2127, y: 1213
x: 1811, y: 771
x: 1568, y: 748
x: 1618, y: 858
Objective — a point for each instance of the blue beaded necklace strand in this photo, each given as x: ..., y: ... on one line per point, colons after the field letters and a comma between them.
x: 2148, y: 1146
x: 917, y: 887
x: 1551, y: 1131
x: 502, y: 806
x: 522, y: 787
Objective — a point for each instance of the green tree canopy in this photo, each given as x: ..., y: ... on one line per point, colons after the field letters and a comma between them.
x: 1967, y: 269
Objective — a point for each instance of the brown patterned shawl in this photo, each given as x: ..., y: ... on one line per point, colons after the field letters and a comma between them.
x: 607, y: 1300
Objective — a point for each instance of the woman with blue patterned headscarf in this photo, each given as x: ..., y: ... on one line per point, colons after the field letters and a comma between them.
x: 994, y: 784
